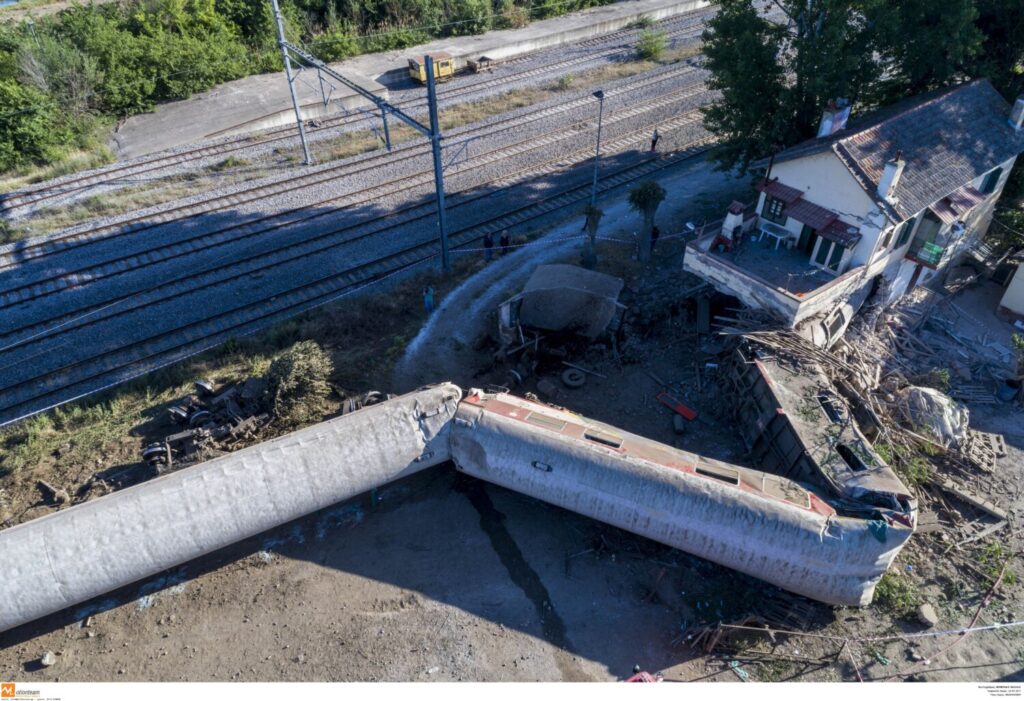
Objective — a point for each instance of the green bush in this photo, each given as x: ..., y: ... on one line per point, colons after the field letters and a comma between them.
x: 297, y: 383
x: 33, y: 129
x: 469, y: 16
x: 896, y: 595
x: 651, y: 45
x: 115, y: 60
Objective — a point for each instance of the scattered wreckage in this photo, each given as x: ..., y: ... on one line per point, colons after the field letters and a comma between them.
x: 829, y: 536
x: 215, y: 421
x: 559, y: 303
x: 212, y: 422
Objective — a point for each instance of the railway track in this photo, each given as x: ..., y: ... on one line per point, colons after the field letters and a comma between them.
x: 17, y: 202
x: 130, y: 359
x: 34, y: 250
x: 317, y: 243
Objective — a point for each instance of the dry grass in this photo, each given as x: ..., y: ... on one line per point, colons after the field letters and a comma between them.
x: 72, y: 163
x: 132, y: 199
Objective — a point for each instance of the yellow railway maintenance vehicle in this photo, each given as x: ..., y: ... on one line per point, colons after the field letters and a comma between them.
x: 444, y: 67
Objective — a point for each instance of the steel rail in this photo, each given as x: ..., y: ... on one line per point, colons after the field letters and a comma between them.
x: 29, y: 197
x: 37, y: 331
x: 210, y: 331
x: 126, y: 227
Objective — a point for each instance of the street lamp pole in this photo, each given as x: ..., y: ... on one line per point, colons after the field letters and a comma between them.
x: 597, y: 153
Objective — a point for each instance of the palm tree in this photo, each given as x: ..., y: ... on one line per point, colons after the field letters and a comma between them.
x: 593, y: 215
x: 645, y: 198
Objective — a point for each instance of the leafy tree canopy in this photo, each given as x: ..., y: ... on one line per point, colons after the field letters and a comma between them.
x: 776, y: 72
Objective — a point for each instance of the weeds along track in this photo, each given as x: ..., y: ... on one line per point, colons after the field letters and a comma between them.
x: 34, y: 250
x: 316, y: 243
x: 125, y: 359
x: 19, y: 202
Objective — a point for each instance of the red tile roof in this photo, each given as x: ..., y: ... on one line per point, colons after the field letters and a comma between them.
x: 953, y: 208
x: 842, y: 233
x: 811, y: 214
x: 779, y: 191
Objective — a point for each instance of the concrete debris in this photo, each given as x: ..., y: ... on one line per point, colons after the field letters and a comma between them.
x: 53, y: 494
x: 926, y: 614
x: 980, y: 503
x: 48, y: 659
x: 945, y: 418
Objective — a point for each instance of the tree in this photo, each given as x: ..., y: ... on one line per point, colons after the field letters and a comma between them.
x: 645, y: 198
x: 651, y: 45
x: 1001, y: 58
x: 775, y: 80
x: 593, y: 215
x: 924, y: 45
x: 32, y: 126
x: 297, y: 383
x: 741, y: 48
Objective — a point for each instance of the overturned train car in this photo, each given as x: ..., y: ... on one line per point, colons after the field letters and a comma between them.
x: 762, y: 524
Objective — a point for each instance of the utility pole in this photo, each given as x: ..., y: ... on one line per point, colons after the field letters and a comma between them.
x: 597, y: 153
x: 282, y: 42
x: 432, y: 132
x: 387, y: 132
x: 435, y: 140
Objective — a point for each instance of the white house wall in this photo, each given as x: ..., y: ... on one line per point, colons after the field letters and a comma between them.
x: 827, y: 183
x: 1013, y: 298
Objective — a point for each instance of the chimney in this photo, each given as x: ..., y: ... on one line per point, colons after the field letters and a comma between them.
x: 891, y: 176
x: 733, y: 220
x: 834, y: 117
x: 1017, y: 114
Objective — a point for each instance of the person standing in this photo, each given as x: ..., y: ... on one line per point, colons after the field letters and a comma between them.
x: 428, y: 299
x: 488, y: 246
x: 655, y: 233
x: 655, y: 138
x: 506, y: 242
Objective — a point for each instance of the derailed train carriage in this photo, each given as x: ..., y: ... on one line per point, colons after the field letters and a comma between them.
x: 797, y: 536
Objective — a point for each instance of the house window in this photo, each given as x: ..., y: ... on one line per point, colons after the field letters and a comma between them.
x: 906, y: 228
x: 836, y: 257
x: 988, y: 185
x: 773, y: 210
x: 822, y: 256
x: 829, y: 254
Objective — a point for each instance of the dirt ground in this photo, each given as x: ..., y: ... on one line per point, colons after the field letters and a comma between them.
x: 443, y: 578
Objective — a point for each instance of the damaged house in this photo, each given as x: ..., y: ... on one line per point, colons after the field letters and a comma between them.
x: 880, y: 206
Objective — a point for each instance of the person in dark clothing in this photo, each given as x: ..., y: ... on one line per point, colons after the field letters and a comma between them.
x: 505, y: 242
x: 655, y: 138
x: 655, y: 233
x: 488, y: 246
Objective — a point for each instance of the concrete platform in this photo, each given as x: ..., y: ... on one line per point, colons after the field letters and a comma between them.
x: 262, y: 102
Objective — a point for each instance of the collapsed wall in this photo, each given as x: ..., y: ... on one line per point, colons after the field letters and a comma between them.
x: 71, y: 556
